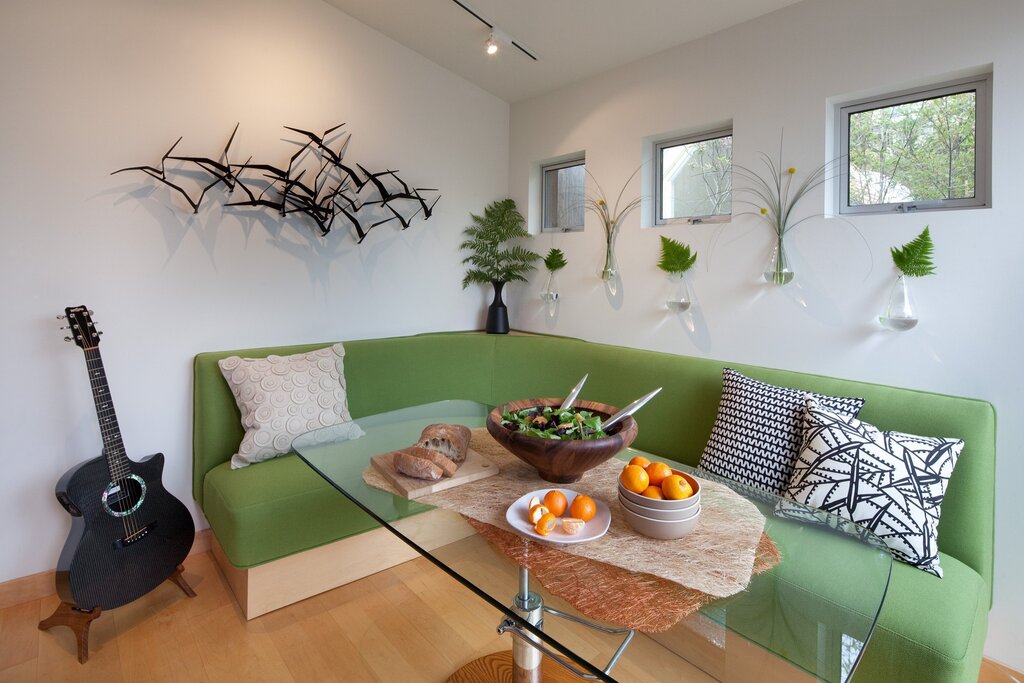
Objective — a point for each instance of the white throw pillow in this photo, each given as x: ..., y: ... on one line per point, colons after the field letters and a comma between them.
x: 889, y: 482
x: 280, y: 397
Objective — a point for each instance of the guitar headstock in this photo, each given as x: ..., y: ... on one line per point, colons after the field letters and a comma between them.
x: 83, y: 331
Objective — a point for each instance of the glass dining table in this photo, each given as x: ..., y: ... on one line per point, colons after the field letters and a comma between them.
x: 810, y: 617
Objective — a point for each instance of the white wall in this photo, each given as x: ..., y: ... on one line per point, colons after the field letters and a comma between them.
x: 91, y: 87
x: 778, y: 72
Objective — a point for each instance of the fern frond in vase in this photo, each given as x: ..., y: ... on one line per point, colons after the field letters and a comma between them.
x: 914, y: 259
x: 555, y: 260
x: 676, y: 257
x: 500, y: 223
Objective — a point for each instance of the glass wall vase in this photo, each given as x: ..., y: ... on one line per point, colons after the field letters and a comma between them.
x: 777, y: 271
x: 550, y: 295
x: 900, y: 313
x: 679, y: 299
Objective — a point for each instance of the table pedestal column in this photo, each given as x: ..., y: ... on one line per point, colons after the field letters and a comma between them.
x: 526, y: 659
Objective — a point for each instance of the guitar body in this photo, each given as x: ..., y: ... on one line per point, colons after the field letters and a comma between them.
x: 111, y: 560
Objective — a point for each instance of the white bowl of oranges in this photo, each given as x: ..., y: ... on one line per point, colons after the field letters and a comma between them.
x: 658, y: 501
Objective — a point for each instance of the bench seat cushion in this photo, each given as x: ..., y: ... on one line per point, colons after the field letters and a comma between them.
x: 276, y: 508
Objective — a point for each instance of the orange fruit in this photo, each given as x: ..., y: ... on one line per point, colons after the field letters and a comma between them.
x: 653, y: 492
x: 640, y: 460
x: 572, y: 526
x: 536, y: 512
x: 634, y: 478
x: 555, y: 502
x: 657, y: 471
x: 545, y: 524
x: 676, y: 488
x: 583, y: 507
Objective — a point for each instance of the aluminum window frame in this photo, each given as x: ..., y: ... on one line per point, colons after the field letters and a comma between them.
x: 981, y: 86
x: 567, y: 163
x: 693, y: 138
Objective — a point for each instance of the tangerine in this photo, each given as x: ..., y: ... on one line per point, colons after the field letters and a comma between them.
x: 676, y: 488
x: 653, y: 491
x: 583, y: 507
x: 634, y: 478
x: 640, y: 460
x: 536, y: 512
x: 545, y: 524
x: 657, y: 471
x: 555, y: 502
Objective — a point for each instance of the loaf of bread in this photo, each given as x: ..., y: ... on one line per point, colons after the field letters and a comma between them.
x: 422, y: 463
x: 450, y: 440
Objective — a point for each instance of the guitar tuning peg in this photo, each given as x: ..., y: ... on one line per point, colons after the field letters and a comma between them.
x: 90, y: 311
x: 99, y: 332
x: 61, y: 317
x: 67, y: 339
x: 63, y: 327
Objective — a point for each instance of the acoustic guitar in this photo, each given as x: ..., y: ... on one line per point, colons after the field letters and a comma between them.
x: 128, y: 534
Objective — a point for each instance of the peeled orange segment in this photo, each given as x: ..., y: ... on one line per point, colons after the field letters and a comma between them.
x: 545, y: 524
x: 555, y: 501
x: 572, y: 525
x: 536, y: 512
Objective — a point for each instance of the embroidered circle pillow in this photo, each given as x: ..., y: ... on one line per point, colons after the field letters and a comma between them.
x: 758, y: 431
x: 889, y: 482
x: 280, y: 397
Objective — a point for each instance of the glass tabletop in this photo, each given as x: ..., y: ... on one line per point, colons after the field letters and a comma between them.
x: 811, y: 616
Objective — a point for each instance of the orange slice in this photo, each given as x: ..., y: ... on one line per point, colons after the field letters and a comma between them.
x: 572, y: 525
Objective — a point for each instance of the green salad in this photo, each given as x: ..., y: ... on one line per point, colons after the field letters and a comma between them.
x: 550, y: 423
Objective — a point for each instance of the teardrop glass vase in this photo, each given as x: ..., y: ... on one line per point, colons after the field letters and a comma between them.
x: 550, y: 295
x: 901, y: 312
x: 778, y: 272
x: 680, y: 299
x: 610, y: 273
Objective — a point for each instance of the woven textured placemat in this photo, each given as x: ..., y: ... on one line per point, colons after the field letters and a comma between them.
x: 716, y: 560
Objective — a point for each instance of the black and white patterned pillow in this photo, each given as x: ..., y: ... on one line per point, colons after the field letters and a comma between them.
x: 889, y: 482
x: 758, y: 430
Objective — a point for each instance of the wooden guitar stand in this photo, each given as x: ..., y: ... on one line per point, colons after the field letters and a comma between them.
x: 79, y: 620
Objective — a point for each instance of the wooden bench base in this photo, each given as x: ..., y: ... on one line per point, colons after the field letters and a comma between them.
x: 285, y: 581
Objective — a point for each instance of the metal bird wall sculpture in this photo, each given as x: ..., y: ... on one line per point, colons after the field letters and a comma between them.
x: 316, y: 183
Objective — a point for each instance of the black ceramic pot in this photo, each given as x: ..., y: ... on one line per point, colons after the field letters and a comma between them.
x: 497, y: 313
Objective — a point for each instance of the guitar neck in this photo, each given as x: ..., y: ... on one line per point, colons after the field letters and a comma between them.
x: 113, y: 446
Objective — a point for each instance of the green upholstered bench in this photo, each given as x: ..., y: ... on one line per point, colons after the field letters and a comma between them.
x: 268, y: 517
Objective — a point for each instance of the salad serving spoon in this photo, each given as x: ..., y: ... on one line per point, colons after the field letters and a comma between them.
x: 629, y: 410
x: 567, y: 403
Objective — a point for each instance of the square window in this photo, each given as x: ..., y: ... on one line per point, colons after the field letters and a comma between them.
x: 563, y: 194
x: 694, y: 178
x: 925, y: 149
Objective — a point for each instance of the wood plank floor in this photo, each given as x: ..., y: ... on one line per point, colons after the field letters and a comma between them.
x: 410, y: 623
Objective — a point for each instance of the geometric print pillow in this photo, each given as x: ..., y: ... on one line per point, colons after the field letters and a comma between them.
x: 888, y: 482
x: 280, y: 397
x: 758, y: 430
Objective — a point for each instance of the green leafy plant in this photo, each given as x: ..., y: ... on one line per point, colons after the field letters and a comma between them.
x: 914, y: 259
x: 555, y: 260
x: 676, y: 257
x: 488, y: 261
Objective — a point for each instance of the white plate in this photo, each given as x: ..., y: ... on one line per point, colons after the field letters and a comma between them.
x: 517, y: 512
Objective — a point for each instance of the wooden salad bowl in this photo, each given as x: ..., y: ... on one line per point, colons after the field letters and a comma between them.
x: 558, y: 461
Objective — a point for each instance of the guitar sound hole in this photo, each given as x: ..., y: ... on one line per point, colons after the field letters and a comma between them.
x: 125, y: 496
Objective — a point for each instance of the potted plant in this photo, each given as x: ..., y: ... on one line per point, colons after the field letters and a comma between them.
x: 490, y: 262
x: 676, y: 259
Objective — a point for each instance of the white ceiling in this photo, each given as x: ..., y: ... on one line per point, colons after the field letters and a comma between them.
x: 572, y: 39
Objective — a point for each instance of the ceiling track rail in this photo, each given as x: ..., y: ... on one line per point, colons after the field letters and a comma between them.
x: 489, y: 25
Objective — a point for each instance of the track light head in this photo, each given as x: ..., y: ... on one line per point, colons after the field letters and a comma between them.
x: 491, y: 45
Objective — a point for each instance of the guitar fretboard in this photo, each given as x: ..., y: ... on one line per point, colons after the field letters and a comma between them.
x: 113, y: 447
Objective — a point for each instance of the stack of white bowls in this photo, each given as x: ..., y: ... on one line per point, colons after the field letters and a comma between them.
x: 664, y: 519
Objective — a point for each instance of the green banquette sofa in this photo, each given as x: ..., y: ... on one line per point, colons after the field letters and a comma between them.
x: 929, y: 629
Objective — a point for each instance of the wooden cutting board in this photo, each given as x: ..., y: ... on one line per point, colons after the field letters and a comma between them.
x: 474, y: 468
